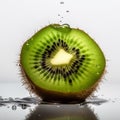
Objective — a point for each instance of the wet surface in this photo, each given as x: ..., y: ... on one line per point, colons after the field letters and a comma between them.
x: 49, y: 111
x: 105, y: 105
x: 33, y: 108
x: 62, y: 112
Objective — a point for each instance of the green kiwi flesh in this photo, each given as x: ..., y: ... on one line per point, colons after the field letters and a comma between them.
x: 62, y: 64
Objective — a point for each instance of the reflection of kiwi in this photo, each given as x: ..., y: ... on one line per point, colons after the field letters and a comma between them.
x: 62, y: 112
x: 61, y: 64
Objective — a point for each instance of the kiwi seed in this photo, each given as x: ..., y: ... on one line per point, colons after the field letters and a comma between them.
x: 61, y: 64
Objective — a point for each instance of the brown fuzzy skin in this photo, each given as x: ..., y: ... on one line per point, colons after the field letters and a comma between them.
x: 59, y: 97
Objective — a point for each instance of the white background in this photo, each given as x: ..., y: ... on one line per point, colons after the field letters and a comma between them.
x: 20, y: 19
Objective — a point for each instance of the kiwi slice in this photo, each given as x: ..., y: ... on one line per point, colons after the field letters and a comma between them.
x: 61, y: 64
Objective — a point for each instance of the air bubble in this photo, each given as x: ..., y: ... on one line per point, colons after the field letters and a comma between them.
x: 65, y: 26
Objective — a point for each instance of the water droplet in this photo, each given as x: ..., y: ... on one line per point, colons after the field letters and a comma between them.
x: 23, y: 106
x: 98, y: 66
x: 58, y: 106
x: 61, y: 2
x: 27, y: 43
x: 1, y: 98
x: 67, y: 11
x: 98, y: 73
x: 18, y: 64
x: 14, y: 107
x: 10, y: 99
x: 113, y: 101
x: 65, y: 26
x: 32, y: 38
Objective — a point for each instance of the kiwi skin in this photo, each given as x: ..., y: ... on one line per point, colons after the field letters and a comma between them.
x: 55, y: 96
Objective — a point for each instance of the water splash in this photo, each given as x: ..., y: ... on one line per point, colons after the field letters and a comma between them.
x: 25, y: 102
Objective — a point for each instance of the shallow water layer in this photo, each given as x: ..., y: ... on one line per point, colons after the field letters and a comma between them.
x: 31, y: 108
x: 14, y: 105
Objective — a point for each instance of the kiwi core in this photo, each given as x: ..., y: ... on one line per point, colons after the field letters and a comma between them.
x: 61, y: 58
